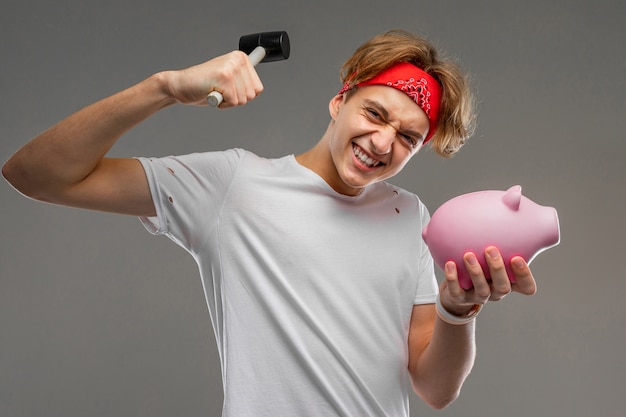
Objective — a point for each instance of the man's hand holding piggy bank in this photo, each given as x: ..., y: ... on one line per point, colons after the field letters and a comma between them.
x: 489, y: 236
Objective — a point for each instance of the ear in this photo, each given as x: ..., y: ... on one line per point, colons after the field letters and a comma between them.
x: 334, y: 105
x: 512, y: 197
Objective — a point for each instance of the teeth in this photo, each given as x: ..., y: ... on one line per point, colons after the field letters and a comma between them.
x: 364, y: 158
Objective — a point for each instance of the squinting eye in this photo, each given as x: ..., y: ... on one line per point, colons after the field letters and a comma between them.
x: 414, y: 143
x: 410, y: 139
x: 373, y: 113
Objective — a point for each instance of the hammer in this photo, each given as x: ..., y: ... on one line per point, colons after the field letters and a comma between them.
x: 260, y: 47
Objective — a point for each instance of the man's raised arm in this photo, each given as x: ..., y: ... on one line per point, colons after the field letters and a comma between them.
x: 66, y: 164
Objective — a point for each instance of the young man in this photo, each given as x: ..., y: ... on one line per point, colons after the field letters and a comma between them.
x: 321, y: 292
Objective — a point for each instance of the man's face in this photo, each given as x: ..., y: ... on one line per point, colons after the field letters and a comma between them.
x: 376, y: 132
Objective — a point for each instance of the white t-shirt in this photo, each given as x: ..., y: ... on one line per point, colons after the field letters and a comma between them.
x: 310, y: 292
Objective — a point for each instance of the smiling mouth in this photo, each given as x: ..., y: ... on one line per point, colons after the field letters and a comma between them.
x: 362, y: 156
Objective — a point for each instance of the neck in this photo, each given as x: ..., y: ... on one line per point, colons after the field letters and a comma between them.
x: 318, y: 158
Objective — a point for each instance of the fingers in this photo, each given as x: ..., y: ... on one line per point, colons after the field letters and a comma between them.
x: 524, y: 280
x: 232, y: 75
x: 455, y: 299
x: 500, y: 282
x: 237, y: 80
x: 452, y: 281
x: 481, y: 289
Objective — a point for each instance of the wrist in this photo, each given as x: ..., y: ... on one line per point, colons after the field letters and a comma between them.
x: 162, y: 82
x: 455, y: 319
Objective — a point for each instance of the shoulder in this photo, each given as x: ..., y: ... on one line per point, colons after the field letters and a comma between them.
x: 198, y: 162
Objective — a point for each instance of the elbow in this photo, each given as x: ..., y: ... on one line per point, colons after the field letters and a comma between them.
x: 9, y: 174
x: 437, y: 395
x: 17, y: 177
x: 12, y: 174
x: 439, y: 402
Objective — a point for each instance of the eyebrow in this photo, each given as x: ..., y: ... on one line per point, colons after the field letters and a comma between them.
x: 379, y: 107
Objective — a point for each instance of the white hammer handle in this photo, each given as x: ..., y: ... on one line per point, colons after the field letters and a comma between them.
x: 215, y: 98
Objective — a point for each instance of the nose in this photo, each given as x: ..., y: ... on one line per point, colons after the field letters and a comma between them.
x: 382, y: 139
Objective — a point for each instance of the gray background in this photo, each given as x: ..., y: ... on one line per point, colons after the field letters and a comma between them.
x: 99, y: 318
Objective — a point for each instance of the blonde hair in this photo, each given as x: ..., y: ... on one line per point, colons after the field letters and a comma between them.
x: 457, y: 119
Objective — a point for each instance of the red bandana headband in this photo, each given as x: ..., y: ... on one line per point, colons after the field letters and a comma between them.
x: 416, y: 83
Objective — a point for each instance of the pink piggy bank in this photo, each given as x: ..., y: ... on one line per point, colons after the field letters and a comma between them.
x: 504, y: 219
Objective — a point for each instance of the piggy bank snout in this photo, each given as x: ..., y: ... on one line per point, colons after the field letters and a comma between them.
x: 544, y: 233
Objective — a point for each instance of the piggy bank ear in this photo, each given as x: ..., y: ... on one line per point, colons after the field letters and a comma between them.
x: 512, y: 197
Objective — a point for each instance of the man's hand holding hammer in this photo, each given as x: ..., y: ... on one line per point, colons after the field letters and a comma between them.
x: 232, y: 75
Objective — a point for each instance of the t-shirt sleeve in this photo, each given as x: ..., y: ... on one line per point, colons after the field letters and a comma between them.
x: 427, y: 288
x: 188, y: 192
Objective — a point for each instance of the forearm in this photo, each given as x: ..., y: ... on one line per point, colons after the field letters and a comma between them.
x: 445, y: 363
x: 441, y: 354
x: 69, y: 151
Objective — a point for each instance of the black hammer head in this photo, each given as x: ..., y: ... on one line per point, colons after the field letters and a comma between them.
x: 276, y: 45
